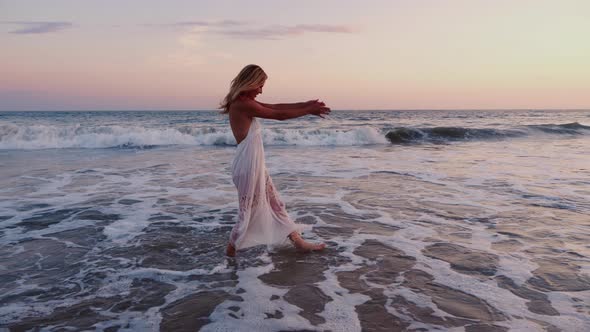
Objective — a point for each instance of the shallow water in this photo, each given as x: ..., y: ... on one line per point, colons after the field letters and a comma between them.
x: 460, y: 231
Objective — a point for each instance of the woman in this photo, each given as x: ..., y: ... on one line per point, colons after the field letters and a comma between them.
x: 262, y: 218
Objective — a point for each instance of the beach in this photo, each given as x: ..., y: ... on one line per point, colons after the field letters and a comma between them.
x: 460, y: 220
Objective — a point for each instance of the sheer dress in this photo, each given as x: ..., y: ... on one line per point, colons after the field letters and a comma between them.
x: 262, y: 217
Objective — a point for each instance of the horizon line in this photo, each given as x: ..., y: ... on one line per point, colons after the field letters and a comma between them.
x: 334, y: 110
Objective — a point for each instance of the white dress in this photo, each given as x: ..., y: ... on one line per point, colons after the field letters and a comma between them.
x: 262, y: 218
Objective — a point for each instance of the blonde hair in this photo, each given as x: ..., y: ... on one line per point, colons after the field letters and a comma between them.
x: 250, y: 77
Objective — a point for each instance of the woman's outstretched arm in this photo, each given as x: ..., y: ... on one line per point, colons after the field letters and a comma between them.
x: 255, y: 109
x: 288, y: 106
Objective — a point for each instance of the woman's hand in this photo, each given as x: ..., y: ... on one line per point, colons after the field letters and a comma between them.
x: 313, y: 101
x: 318, y: 108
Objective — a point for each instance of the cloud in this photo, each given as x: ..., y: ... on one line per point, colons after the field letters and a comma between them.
x: 39, y: 27
x: 280, y: 31
x: 192, y: 24
x: 190, y: 51
x: 243, y: 29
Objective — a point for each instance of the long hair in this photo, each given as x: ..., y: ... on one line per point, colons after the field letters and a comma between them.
x: 250, y: 77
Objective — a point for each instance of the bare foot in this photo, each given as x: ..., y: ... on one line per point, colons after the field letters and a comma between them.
x: 230, y: 251
x: 303, y: 245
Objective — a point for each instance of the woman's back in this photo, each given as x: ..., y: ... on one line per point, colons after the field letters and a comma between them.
x: 239, y: 121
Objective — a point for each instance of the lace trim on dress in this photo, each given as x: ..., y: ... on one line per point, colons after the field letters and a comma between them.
x: 273, y: 198
x: 248, y: 202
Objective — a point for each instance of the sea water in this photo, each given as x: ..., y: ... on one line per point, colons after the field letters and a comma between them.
x: 434, y: 220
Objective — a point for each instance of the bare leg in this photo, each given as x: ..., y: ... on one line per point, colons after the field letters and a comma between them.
x: 278, y: 208
x: 231, y: 250
x: 303, y: 245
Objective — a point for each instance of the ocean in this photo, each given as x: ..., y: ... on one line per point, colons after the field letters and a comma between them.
x: 434, y: 220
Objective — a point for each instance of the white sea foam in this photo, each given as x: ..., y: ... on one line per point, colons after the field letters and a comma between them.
x: 255, y: 306
x: 29, y: 137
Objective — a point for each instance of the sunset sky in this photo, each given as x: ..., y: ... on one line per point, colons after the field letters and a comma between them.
x: 404, y: 54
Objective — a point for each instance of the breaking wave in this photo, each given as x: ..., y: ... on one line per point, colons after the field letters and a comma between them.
x: 15, y: 137
x: 20, y: 137
x: 449, y: 134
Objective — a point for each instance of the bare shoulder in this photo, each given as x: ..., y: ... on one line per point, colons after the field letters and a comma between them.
x: 253, y: 109
x: 242, y: 105
x: 245, y: 107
